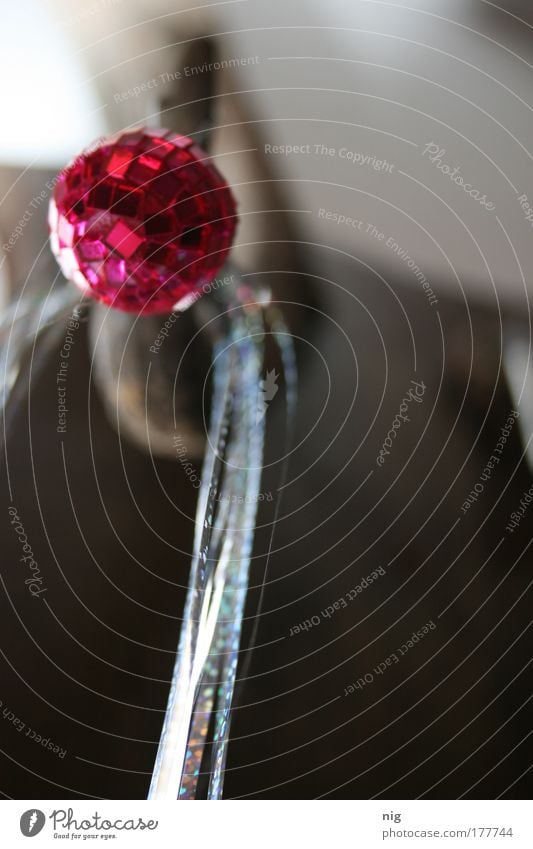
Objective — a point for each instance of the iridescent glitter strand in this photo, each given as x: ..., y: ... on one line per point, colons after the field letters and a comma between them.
x: 203, y: 684
x: 235, y: 524
x: 247, y: 468
x: 194, y: 639
x: 204, y: 672
x: 283, y: 340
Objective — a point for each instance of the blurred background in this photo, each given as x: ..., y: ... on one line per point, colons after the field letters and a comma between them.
x: 381, y: 156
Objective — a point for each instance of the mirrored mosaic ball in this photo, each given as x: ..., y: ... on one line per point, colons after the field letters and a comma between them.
x: 143, y: 221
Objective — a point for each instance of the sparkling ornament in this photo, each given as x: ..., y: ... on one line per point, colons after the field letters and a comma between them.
x: 143, y: 221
